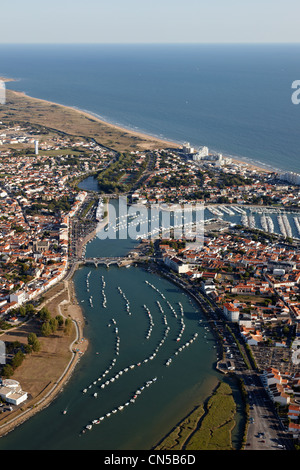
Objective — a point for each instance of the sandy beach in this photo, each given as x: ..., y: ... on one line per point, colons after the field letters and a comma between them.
x: 148, y: 138
x: 60, y: 355
x: 251, y: 166
x: 74, y: 121
x: 124, y: 139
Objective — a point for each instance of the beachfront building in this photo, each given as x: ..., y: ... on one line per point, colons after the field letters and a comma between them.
x: 11, y: 392
x: 290, y: 177
x: 187, y: 149
x: 202, y: 153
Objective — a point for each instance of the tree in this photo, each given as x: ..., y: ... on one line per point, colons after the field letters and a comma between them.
x: 22, y: 311
x: 7, y: 371
x: 60, y: 320
x: 68, y: 325
x: 53, y: 324
x: 33, y: 342
x: 30, y: 310
x: 46, y: 329
x: 17, y: 360
x: 44, y: 314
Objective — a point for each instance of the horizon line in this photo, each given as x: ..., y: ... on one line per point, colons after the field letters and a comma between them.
x: 144, y: 43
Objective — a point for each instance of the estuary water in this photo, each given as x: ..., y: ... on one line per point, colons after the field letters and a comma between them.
x: 150, y: 360
x: 161, y: 394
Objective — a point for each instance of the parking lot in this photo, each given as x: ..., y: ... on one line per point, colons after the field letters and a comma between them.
x: 265, y: 430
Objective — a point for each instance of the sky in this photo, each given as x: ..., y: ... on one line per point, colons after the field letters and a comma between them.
x: 151, y: 21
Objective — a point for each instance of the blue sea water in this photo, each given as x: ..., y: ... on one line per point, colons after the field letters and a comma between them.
x: 235, y: 99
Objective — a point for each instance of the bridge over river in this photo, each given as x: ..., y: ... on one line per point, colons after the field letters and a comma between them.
x: 118, y: 260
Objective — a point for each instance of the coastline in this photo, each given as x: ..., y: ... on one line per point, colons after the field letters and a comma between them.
x: 142, y: 137
x: 47, y: 396
x: 251, y: 165
x: 145, y: 140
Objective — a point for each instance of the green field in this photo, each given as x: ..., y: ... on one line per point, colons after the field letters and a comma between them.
x: 208, y: 427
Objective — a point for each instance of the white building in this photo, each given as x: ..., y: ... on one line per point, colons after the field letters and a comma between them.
x: 36, y: 147
x: 290, y: 177
x: 11, y: 392
x: 177, y: 265
x: 187, y: 148
x: 272, y: 381
x: 202, y: 153
x: 231, y: 312
x: 208, y: 286
x: 19, y: 297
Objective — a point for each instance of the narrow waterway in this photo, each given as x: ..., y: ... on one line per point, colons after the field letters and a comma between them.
x: 151, y: 359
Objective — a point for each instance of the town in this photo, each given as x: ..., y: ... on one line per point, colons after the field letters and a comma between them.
x: 249, y: 275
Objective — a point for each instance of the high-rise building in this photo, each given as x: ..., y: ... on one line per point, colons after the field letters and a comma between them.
x: 290, y: 177
x: 2, y: 92
x: 36, y: 147
x: 187, y: 148
x: 203, y: 151
x: 201, y: 154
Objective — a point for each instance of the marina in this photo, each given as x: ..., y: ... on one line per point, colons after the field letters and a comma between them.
x: 100, y: 210
x: 103, y: 292
x: 122, y: 382
x: 135, y: 327
x: 158, y: 221
x: 163, y: 325
x: 268, y: 219
x: 111, y: 392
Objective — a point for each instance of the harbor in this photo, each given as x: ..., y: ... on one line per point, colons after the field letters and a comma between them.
x: 272, y: 220
x: 122, y: 394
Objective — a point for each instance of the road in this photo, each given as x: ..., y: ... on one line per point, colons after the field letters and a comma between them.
x: 265, y: 430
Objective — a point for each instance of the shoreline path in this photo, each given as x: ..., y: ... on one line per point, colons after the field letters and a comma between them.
x: 81, y: 347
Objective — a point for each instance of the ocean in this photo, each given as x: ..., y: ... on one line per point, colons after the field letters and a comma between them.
x: 235, y: 99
